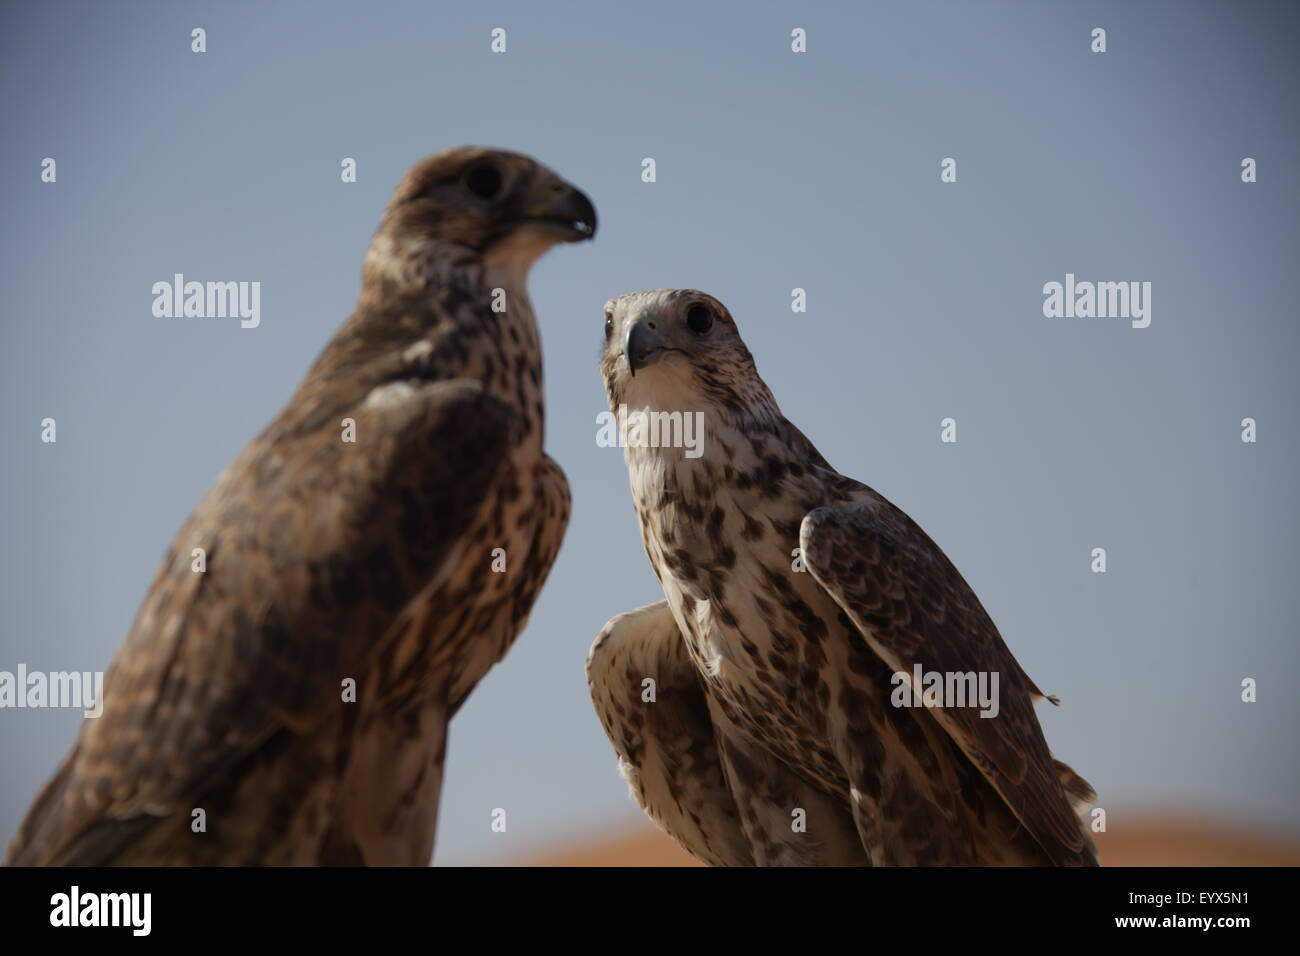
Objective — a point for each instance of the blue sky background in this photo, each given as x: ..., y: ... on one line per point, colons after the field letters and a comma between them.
x: 775, y: 170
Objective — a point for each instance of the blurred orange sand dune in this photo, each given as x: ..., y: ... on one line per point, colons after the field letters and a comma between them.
x: 1147, y: 841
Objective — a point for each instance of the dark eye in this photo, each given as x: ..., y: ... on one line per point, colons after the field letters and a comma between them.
x: 609, y: 326
x: 484, y: 180
x: 699, y: 319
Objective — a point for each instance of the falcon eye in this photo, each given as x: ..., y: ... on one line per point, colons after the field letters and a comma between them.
x: 699, y: 319
x: 609, y: 326
x: 484, y: 181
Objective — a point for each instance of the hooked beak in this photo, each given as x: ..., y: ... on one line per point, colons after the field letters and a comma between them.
x: 644, y: 345
x: 567, y: 212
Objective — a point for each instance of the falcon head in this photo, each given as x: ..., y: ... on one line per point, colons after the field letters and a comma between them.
x: 678, y: 349
x: 503, y: 208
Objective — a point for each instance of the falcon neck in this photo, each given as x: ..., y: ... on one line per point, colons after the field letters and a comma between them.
x: 695, y: 454
x: 514, y: 371
x: 495, y: 339
x: 454, y: 318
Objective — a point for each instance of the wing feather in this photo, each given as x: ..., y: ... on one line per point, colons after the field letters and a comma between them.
x: 912, y: 606
x: 314, y: 547
x: 667, y: 747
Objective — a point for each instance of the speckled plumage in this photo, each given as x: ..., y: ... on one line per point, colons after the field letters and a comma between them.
x: 793, y: 594
x: 329, y: 560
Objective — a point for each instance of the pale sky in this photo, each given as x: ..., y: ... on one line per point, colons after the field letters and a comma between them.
x: 776, y: 170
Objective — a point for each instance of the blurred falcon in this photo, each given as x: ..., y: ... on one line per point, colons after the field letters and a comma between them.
x: 328, y: 561
x: 794, y: 596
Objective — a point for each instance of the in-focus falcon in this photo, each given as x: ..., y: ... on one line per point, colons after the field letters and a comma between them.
x: 769, y: 735
x: 355, y: 540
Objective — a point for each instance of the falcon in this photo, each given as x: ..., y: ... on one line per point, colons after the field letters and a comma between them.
x: 283, y: 697
x: 764, y: 712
